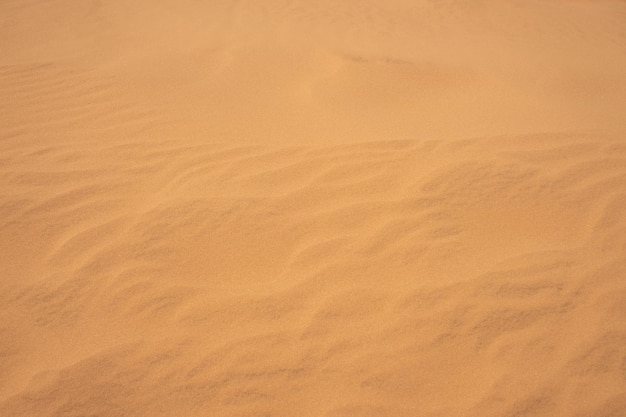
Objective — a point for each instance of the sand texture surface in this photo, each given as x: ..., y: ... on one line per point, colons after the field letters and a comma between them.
x: 313, y: 208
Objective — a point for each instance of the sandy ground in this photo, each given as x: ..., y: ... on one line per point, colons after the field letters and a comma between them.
x: 312, y: 208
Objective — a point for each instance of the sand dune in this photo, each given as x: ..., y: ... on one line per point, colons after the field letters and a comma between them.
x: 304, y: 208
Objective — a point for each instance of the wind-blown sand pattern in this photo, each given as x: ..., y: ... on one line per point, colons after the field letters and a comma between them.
x: 313, y: 208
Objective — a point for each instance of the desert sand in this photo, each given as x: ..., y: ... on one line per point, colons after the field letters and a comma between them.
x: 287, y: 208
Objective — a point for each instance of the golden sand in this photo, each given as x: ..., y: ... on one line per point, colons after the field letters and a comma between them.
x: 280, y: 208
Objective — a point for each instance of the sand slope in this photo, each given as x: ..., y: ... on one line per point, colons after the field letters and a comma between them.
x: 401, y: 208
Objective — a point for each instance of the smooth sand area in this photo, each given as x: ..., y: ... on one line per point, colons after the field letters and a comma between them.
x: 312, y: 208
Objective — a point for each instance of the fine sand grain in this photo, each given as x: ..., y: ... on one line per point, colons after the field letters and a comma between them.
x: 313, y: 208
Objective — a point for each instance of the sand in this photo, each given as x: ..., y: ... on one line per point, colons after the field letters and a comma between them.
x: 313, y: 208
